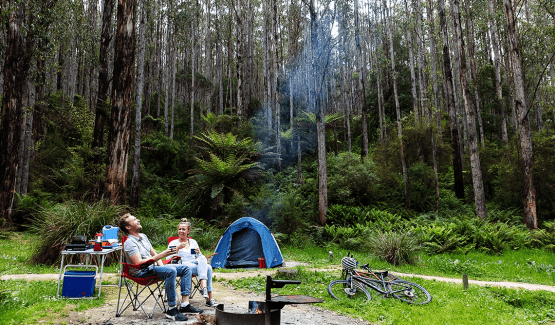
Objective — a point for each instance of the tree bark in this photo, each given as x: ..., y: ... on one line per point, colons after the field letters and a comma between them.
x: 528, y: 193
x: 434, y: 68
x: 361, y: 86
x: 477, y: 176
x: 498, y: 81
x: 457, y: 161
x: 12, y: 109
x: 398, y: 112
x: 124, y: 79
x: 135, y: 180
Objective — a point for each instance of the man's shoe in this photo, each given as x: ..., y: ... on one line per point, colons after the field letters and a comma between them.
x: 204, y: 293
x: 174, y: 314
x: 211, y: 302
x: 191, y: 310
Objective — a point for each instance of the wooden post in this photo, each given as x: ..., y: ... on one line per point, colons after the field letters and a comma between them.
x: 465, y: 282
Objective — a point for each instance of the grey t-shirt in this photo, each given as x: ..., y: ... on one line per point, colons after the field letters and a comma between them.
x: 133, y: 245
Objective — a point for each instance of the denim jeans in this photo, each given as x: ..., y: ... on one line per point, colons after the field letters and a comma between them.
x: 200, y: 268
x: 169, y: 274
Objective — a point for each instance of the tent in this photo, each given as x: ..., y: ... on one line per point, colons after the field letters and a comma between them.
x: 243, y: 243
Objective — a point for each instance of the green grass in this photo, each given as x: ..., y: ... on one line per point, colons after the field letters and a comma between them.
x: 526, y: 265
x: 450, y: 303
x: 23, y: 302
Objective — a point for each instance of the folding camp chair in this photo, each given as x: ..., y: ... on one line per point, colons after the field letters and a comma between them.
x: 195, y: 282
x: 151, y: 286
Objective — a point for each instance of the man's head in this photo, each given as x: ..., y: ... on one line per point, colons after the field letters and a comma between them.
x: 129, y: 224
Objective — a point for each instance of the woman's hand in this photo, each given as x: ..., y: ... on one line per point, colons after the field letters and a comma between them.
x: 181, y: 245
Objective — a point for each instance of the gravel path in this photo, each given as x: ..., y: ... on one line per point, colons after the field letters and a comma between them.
x: 234, y: 301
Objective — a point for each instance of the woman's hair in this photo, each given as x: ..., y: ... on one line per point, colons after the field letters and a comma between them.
x: 184, y: 222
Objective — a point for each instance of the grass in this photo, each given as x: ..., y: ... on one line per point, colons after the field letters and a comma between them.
x: 526, y: 265
x: 20, y: 303
x: 450, y: 305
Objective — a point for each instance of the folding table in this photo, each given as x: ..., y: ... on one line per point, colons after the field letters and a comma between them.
x: 88, y: 252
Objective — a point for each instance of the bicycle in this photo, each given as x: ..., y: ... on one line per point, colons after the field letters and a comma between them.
x: 381, y: 281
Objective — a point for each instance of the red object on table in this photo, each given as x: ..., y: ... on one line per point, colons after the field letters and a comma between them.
x: 98, y: 242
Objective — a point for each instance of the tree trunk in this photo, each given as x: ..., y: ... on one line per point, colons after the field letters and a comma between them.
x: 124, y: 79
x: 12, y: 109
x: 102, y: 106
x: 498, y: 81
x: 135, y: 180
x: 398, y: 113
x: 528, y: 193
x: 192, y: 107
x: 433, y: 67
x: 361, y: 87
x: 477, y: 176
x: 411, y: 65
x: 451, y: 106
x: 275, y: 71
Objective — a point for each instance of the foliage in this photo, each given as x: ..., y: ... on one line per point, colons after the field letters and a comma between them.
x: 57, y: 224
x: 224, y: 172
x: 395, y: 247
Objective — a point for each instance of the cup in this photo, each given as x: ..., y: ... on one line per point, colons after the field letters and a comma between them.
x: 172, y: 248
x: 193, y: 251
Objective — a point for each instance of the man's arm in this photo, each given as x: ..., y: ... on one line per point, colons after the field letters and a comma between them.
x: 137, y: 259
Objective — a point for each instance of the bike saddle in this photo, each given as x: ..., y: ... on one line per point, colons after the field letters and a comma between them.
x: 365, y: 265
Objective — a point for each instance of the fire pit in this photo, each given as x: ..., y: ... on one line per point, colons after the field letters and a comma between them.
x: 232, y: 318
x: 270, y: 313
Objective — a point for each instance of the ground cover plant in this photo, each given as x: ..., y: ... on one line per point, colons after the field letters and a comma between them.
x: 25, y: 302
x: 450, y: 304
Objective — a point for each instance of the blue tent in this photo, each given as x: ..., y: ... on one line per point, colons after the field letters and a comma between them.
x: 243, y: 243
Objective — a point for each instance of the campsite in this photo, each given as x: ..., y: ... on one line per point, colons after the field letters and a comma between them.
x: 326, y: 162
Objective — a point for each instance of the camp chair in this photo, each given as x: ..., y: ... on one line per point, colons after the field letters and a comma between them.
x: 152, y: 286
x: 195, y: 282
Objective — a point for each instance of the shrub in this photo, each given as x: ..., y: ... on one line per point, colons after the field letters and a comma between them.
x: 57, y: 224
x: 396, y: 247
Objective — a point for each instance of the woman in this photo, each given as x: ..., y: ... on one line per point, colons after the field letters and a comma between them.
x: 197, y: 262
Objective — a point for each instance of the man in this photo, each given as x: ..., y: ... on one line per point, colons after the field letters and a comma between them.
x: 138, y: 249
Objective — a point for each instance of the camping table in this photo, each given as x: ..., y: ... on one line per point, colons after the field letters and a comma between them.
x: 88, y: 252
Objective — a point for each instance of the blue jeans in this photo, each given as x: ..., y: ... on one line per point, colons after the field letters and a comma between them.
x: 169, y: 273
x: 202, y: 269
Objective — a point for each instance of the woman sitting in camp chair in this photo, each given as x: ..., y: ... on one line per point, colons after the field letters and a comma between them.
x: 196, y: 261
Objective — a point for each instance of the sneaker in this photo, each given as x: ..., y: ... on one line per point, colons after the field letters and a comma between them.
x: 174, y: 314
x: 204, y: 293
x: 211, y: 302
x: 191, y: 310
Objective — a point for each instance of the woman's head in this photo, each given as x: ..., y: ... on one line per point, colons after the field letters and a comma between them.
x: 184, y: 227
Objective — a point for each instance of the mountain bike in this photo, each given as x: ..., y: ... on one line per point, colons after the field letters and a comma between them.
x: 355, y: 284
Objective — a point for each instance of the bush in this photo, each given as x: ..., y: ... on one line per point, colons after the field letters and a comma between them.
x: 396, y: 247
x: 57, y: 224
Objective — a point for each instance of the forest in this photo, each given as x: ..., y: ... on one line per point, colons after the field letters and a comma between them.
x: 423, y: 124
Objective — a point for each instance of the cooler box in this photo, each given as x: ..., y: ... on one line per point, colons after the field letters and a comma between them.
x: 110, y: 232
x: 78, y: 284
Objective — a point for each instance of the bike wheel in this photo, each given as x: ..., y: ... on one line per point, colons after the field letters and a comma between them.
x: 350, y: 289
x: 409, y: 292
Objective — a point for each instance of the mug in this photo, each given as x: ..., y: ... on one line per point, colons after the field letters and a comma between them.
x: 172, y: 248
x: 193, y: 251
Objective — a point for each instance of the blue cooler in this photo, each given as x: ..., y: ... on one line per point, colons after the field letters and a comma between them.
x: 110, y: 232
x: 78, y: 284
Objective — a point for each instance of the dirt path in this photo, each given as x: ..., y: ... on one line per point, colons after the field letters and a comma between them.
x: 234, y: 300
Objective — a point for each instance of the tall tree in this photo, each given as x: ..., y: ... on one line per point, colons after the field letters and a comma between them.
x: 477, y: 175
x: 457, y: 161
x: 134, y: 193
x: 102, y: 105
x: 124, y: 79
x: 398, y: 112
x: 528, y: 192
x: 361, y: 85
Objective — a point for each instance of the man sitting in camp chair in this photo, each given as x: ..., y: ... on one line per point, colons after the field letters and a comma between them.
x: 138, y: 249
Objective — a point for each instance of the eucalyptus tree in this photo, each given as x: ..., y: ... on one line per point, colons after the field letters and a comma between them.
x: 397, y: 102
x: 21, y: 51
x: 450, y: 102
x: 528, y: 191
x: 135, y: 180
x: 124, y: 79
x: 361, y: 84
x: 477, y: 176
